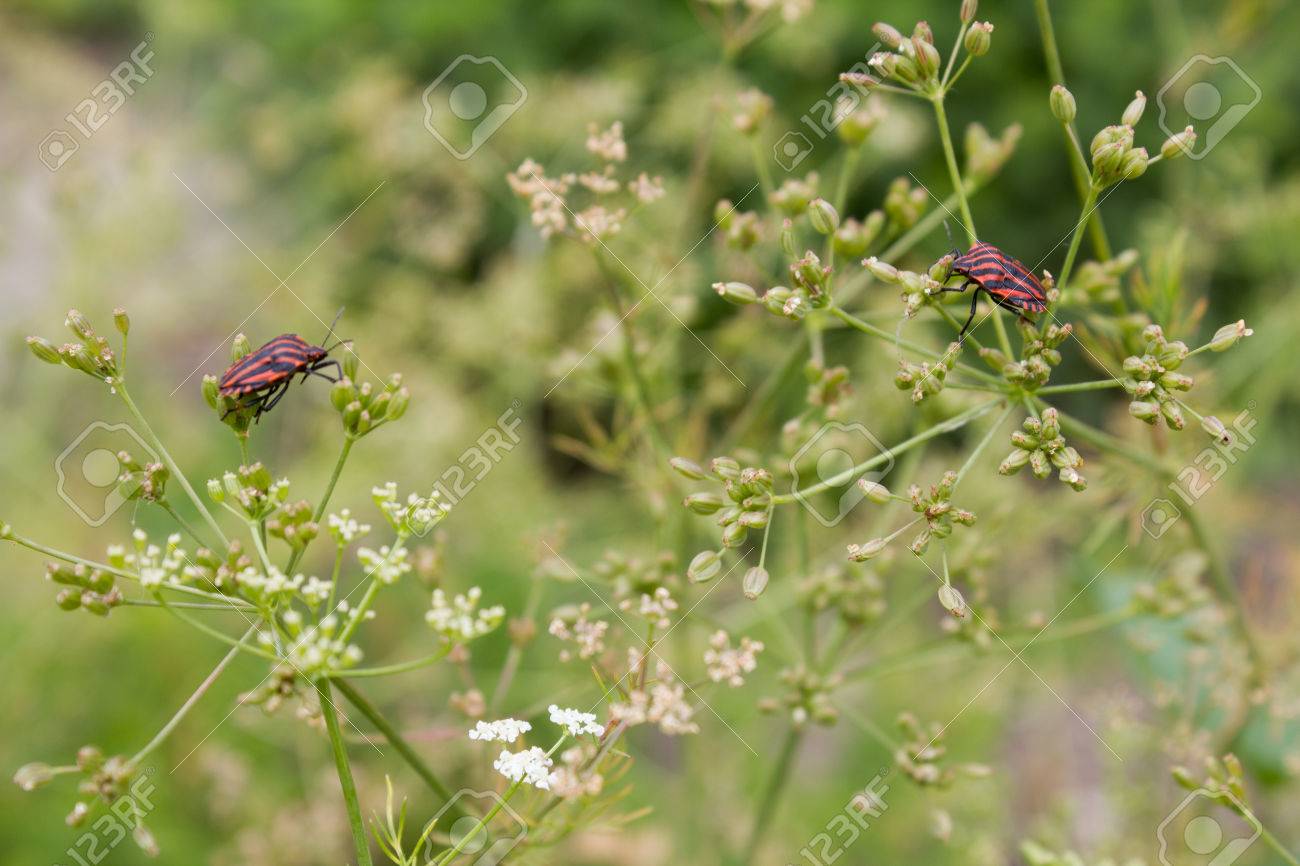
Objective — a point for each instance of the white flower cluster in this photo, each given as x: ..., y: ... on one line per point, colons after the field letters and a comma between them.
x: 609, y: 144
x: 458, y: 620
x: 502, y: 730
x: 545, y: 196
x: 155, y: 565
x: 418, y: 514
x: 654, y: 608
x: 663, y: 703
x: 272, y: 589
x: 727, y: 664
x: 345, y: 528
x: 315, y: 650
x: 568, y: 780
x: 588, y: 634
x: 385, y: 565
x: 531, y: 766
x: 575, y: 721
x: 646, y: 189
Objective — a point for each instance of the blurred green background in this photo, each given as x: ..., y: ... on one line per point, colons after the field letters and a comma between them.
x: 299, y: 125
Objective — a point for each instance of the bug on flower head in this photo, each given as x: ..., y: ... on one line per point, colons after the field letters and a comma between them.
x: 1007, y: 282
x: 260, y: 379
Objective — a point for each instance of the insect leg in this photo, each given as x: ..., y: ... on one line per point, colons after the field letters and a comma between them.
x: 974, y: 300
x: 316, y: 370
x: 272, y: 397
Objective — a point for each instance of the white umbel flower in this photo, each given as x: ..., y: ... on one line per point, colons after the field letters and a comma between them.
x: 458, y: 619
x: 577, y: 722
x: 730, y: 664
x: 502, y: 730
x: 531, y: 766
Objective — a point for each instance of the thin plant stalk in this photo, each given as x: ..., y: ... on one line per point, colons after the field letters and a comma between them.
x: 350, y: 798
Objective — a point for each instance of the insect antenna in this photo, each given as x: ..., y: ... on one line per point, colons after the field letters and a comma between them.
x: 329, y: 333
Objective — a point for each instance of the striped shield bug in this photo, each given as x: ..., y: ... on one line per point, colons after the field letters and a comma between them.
x: 1007, y: 282
x: 260, y: 379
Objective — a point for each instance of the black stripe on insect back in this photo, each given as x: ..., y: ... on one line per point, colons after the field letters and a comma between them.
x: 269, y: 365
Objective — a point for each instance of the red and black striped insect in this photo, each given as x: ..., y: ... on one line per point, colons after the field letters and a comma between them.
x: 1007, y: 282
x: 266, y: 374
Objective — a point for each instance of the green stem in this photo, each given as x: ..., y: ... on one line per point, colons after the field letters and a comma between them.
x: 1088, y: 201
x: 28, y: 543
x: 953, y: 423
x: 979, y: 449
x: 171, y: 464
x: 846, y: 176
x: 1229, y: 592
x: 1078, y: 165
x: 215, y: 633
x: 348, y: 440
x: 772, y: 793
x: 1099, y: 385
x: 188, y: 705
x: 1277, y: 846
x: 950, y: 156
x: 762, y: 168
x: 167, y: 506
x: 396, y: 668
x: 345, y: 773
x: 868, y: 328
x: 398, y: 742
x: 452, y: 853
x: 515, y: 654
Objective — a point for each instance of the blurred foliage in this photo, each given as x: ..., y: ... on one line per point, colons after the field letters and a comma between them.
x: 300, y: 124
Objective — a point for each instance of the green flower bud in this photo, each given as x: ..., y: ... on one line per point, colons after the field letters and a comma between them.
x: 754, y: 582
x: 823, y: 217
x: 968, y: 10
x: 874, y: 491
x: 882, y: 271
x: 687, y: 468
x: 1216, y: 429
x: 342, y: 394
x: 868, y: 550
x: 44, y: 349
x: 1014, y: 462
x: 1133, y: 113
x: 122, y: 321
x: 927, y: 56
x: 952, y: 600
x: 32, y: 776
x: 1228, y: 336
x: 850, y: 239
x: 704, y: 567
x: 703, y: 503
x: 1144, y: 411
x: 68, y: 599
x: 723, y: 212
x: 1184, y: 778
x: 887, y: 35
x: 1039, y: 464
x: 351, y: 364
x: 754, y: 519
x: 1107, y: 161
x: 1134, y: 164
x: 1062, y: 103
x: 211, y: 392
x: 739, y: 294
x: 1178, y: 144
x: 725, y: 468
x: 216, y: 492
x: 979, y: 38
x: 240, y: 347
x: 1173, y: 415
x: 733, y: 536
x: 923, y: 31
x: 80, y: 326
x: 399, y: 402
